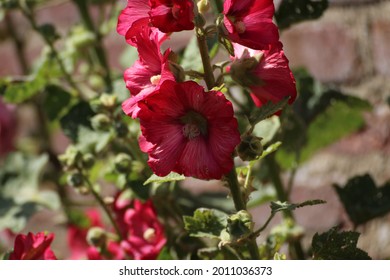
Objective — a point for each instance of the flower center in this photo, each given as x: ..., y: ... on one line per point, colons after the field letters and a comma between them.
x: 194, y: 125
x: 150, y: 235
x: 155, y: 79
x: 240, y: 27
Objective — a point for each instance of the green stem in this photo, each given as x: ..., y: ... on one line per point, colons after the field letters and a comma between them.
x: 240, y: 204
x: 204, y: 53
x: 296, y: 250
x: 101, y: 202
x: 82, y: 6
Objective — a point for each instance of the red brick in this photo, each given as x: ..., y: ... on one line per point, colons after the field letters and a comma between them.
x: 327, y: 49
x: 381, y: 46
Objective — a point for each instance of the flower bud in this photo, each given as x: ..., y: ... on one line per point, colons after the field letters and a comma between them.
x: 240, y: 224
x: 75, y: 180
x: 250, y: 148
x: 96, y: 237
x: 72, y: 157
x: 241, y: 72
x: 121, y: 129
x: 101, y: 122
x: 122, y: 163
x: 108, y: 100
x: 203, y: 6
x: 88, y: 160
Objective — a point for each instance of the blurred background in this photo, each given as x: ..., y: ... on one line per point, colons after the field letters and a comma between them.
x: 347, y: 48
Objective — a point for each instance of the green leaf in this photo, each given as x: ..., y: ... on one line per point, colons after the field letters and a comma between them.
x: 20, y: 92
x: 334, y: 245
x: 266, y: 111
x: 92, y: 141
x: 191, y: 59
x: 78, y: 116
x: 294, y: 11
x: 20, y: 196
x: 56, y: 100
x: 267, y: 129
x: 206, y: 223
x: 169, y: 178
x: 165, y: 254
x: 285, y: 206
x: 363, y: 199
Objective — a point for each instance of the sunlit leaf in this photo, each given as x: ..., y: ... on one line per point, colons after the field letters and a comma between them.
x: 206, y: 223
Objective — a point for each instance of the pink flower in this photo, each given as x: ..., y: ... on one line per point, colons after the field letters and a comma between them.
x: 249, y: 22
x: 33, y: 247
x: 7, y: 128
x: 149, y: 71
x: 188, y: 131
x: 266, y: 73
x: 77, y: 235
x: 166, y: 15
x: 146, y: 235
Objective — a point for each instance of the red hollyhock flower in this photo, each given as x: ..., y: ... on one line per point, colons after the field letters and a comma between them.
x: 146, y: 235
x: 33, y: 247
x: 189, y: 131
x: 172, y: 15
x: 149, y: 71
x: 166, y: 15
x: 77, y: 235
x: 249, y: 22
x: 266, y: 73
x: 7, y: 128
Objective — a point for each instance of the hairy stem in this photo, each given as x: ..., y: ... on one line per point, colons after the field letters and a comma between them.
x: 104, y: 206
x: 296, y: 250
x: 204, y: 53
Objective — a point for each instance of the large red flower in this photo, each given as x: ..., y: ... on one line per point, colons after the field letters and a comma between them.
x: 249, y: 22
x: 266, y: 73
x: 146, y: 235
x: 188, y: 131
x: 166, y: 15
x: 7, y: 128
x: 149, y: 71
x: 33, y: 247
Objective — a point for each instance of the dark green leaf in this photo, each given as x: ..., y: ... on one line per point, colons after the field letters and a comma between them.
x: 56, y: 100
x: 363, y: 200
x: 334, y: 245
x: 294, y: 11
x: 206, y: 223
x: 266, y: 111
x: 78, y: 116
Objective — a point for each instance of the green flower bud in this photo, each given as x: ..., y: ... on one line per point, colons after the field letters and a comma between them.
x: 203, y: 6
x: 72, y: 157
x: 250, y: 148
x: 123, y: 163
x: 96, y: 105
x: 108, y: 100
x: 121, y: 129
x: 75, y: 180
x: 88, y: 160
x: 96, y: 81
x: 241, y: 70
x: 240, y: 224
x: 97, y: 237
x: 101, y: 122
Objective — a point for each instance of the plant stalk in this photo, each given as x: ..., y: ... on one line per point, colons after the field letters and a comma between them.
x: 204, y: 53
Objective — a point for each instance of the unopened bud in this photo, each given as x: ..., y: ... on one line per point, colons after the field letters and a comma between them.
x: 241, y: 71
x: 108, y: 100
x: 75, y: 180
x: 240, y: 224
x: 123, y: 163
x: 96, y: 237
x: 88, y: 160
x: 71, y: 158
x: 203, y: 6
x: 101, y: 122
x: 250, y: 148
